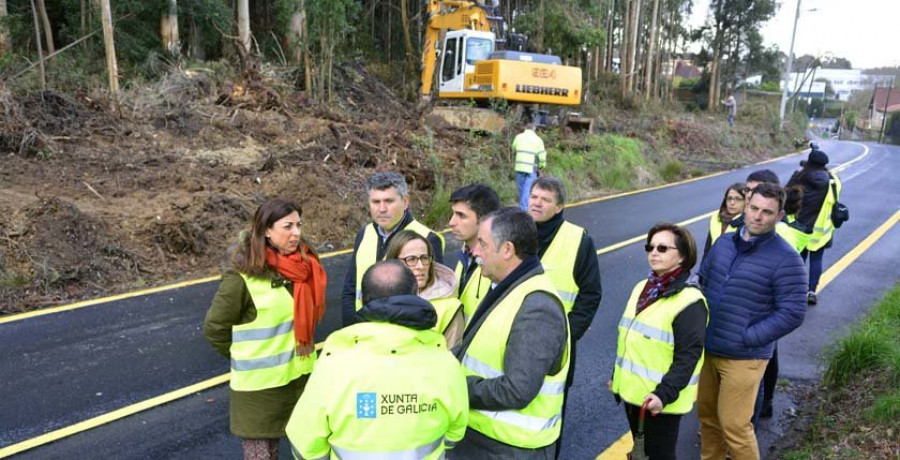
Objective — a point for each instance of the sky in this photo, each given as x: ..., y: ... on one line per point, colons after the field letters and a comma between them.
x: 867, y: 32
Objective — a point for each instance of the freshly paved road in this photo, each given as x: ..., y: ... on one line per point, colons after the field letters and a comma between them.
x: 62, y: 368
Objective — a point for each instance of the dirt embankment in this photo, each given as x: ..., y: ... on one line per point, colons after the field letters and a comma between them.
x: 94, y: 200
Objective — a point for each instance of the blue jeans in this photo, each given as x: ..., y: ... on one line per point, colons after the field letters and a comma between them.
x: 523, y: 183
x: 815, y: 267
x: 730, y: 120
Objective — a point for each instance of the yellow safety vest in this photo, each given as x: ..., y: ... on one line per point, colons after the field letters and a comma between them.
x: 823, y: 229
x: 367, y: 251
x: 446, y: 308
x: 529, y: 152
x: 475, y: 289
x: 381, y: 391
x: 796, y: 238
x: 263, y: 350
x: 646, y: 347
x: 715, y: 227
x: 559, y: 262
x: 537, y: 424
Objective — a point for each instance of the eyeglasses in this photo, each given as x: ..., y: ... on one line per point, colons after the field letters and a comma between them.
x: 659, y: 247
x: 734, y: 199
x: 411, y: 260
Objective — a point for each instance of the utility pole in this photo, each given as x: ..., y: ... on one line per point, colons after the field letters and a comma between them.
x: 887, y: 101
x: 790, y: 61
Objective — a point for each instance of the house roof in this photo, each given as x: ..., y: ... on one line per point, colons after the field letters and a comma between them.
x: 685, y: 70
x: 880, y: 99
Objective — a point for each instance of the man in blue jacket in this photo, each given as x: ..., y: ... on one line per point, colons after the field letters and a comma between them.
x: 755, y: 284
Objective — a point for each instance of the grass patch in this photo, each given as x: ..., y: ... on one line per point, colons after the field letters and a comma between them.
x: 858, y: 412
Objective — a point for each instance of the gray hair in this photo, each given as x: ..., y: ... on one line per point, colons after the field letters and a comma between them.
x: 516, y: 226
x: 552, y: 184
x: 384, y: 180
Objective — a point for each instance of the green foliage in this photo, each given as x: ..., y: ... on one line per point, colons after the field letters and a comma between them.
x: 605, y: 162
x: 770, y: 86
x: 886, y: 408
x: 873, y: 344
x: 567, y: 28
x: 688, y: 82
x: 330, y: 25
x: 671, y: 171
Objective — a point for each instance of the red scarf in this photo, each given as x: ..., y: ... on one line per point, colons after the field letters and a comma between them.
x: 310, y: 281
x: 655, y: 287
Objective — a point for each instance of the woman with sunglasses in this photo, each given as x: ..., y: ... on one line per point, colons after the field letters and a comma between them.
x: 732, y: 206
x: 659, y: 351
x: 437, y: 282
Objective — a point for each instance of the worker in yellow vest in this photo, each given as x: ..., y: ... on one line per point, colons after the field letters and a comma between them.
x: 531, y: 158
x: 515, y: 350
x: 731, y: 207
x: 388, y: 197
x: 263, y: 318
x: 659, y: 351
x: 821, y: 190
x: 569, y: 259
x: 386, y: 387
x: 469, y: 204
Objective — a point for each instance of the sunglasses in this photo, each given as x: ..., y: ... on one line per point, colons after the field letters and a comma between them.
x: 659, y: 247
x: 411, y: 261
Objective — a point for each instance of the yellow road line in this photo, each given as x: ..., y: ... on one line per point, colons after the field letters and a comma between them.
x: 624, y: 444
x: 854, y: 254
x: 619, y: 450
x: 111, y: 416
x: 615, y: 449
x: 638, y: 238
x: 127, y: 295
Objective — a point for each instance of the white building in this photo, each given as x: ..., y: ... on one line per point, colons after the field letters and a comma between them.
x: 844, y: 81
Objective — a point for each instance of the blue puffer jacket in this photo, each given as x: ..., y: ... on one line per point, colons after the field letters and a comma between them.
x: 756, y: 293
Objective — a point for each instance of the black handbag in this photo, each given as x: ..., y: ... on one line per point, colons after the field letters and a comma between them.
x: 840, y: 213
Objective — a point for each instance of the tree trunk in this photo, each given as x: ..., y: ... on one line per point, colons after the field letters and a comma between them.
x: 4, y: 33
x: 625, y: 39
x: 539, y: 36
x: 243, y: 22
x: 713, y: 103
x: 651, y: 44
x: 45, y: 22
x: 632, y: 47
x: 610, y: 37
x: 112, y: 67
x: 195, y: 44
x: 168, y: 29
x: 37, y: 41
x: 410, y: 52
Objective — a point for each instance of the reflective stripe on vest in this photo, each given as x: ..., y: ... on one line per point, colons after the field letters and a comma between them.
x: 645, y: 349
x: 530, y: 152
x: 715, y: 227
x: 367, y: 252
x: 411, y: 454
x: 537, y: 424
x: 475, y: 289
x: 823, y: 229
x: 262, y: 351
x: 559, y: 262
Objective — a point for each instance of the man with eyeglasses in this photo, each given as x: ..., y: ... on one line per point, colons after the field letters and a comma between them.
x: 389, y: 207
x: 755, y: 283
x: 515, y: 348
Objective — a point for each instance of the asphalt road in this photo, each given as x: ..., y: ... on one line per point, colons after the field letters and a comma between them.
x: 62, y: 368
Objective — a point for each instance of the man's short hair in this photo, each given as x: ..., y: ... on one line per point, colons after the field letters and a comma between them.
x: 552, y: 184
x: 516, y: 226
x: 769, y: 190
x: 764, y: 176
x: 384, y: 180
x: 482, y: 199
x: 387, y: 279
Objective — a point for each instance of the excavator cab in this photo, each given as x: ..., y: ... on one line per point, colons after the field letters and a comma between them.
x: 461, y: 50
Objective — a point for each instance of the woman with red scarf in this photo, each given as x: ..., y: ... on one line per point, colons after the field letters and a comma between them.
x: 263, y: 319
x: 660, y: 346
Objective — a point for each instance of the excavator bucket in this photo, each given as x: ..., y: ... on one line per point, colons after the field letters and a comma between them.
x: 466, y: 118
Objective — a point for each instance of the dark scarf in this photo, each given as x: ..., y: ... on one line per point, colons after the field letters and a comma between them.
x: 409, y: 311
x: 547, y: 230
x: 656, y: 285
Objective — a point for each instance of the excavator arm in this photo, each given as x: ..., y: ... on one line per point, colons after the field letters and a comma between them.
x: 444, y: 15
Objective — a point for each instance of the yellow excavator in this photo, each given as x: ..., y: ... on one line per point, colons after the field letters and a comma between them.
x: 463, y: 36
